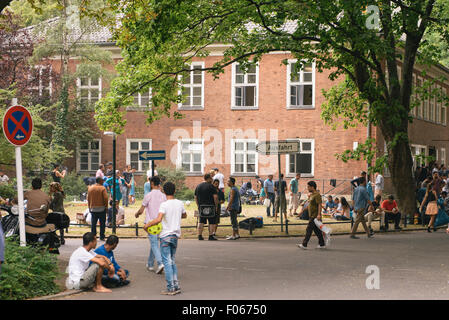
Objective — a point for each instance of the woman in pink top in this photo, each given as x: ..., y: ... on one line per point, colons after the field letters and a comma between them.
x: 151, y: 203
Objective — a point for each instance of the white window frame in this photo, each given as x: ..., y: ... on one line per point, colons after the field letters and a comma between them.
x: 245, y: 152
x: 418, y: 149
x: 420, y: 111
x: 443, y: 156
x: 289, y: 174
x: 179, y: 157
x: 191, y: 85
x: 89, y: 87
x: 89, y: 163
x: 432, y: 111
x: 245, y: 84
x: 444, y: 109
x: 300, y: 82
x: 128, y: 153
x: 40, y: 87
x: 426, y: 108
x: 138, y: 106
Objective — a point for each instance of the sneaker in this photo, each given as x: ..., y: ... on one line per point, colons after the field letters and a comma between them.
x: 237, y: 237
x: 321, y: 247
x: 168, y: 292
x: 160, y: 268
x: 302, y: 246
x: 231, y: 238
x: 370, y: 230
x: 200, y: 238
x: 212, y: 237
x: 353, y: 237
x: 177, y: 290
x: 371, y: 235
x: 399, y: 228
x: 150, y: 268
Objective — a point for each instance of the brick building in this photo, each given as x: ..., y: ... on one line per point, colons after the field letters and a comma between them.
x: 226, y: 118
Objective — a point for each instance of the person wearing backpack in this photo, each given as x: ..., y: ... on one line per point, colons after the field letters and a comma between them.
x: 234, y: 208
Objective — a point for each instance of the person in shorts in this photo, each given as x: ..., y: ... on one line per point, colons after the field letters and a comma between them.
x: 234, y: 206
x: 81, y: 274
x: 170, y: 214
x: 206, y: 195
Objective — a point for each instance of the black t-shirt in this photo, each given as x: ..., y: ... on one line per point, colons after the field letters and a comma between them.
x: 127, y: 176
x: 55, y: 178
x: 205, y: 193
x: 283, y: 188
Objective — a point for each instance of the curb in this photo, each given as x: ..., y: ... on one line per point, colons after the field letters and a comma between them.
x: 59, y: 295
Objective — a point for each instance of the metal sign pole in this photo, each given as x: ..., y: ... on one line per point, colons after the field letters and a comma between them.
x: 20, y: 196
x: 280, y: 193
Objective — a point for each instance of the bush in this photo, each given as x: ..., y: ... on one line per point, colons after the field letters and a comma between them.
x: 174, y: 175
x: 72, y: 184
x: 7, y: 191
x: 28, y: 272
x: 185, y: 194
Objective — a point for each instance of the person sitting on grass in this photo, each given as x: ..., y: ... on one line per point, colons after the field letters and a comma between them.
x: 120, y: 277
x: 330, y: 205
x: 344, y: 213
x: 81, y: 274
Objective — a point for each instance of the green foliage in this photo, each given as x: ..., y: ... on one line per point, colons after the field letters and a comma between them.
x: 174, y: 175
x: 7, y: 190
x: 73, y: 184
x: 185, y: 194
x: 28, y: 272
x: 30, y: 16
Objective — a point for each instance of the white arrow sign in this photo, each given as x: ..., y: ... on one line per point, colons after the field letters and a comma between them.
x: 278, y: 147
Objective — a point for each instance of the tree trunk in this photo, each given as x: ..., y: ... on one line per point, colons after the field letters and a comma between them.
x: 400, y: 164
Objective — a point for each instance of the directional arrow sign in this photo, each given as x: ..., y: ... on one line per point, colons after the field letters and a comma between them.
x: 278, y: 147
x: 152, y: 155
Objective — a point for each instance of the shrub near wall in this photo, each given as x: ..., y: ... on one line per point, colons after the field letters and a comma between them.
x: 27, y: 272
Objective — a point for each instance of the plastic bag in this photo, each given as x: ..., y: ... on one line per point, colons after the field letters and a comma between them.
x: 267, y: 202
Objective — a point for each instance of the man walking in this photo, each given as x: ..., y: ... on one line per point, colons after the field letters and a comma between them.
x: 206, y: 198
x: 294, y: 195
x: 280, y: 202
x: 151, y: 204
x: 361, y: 201
x: 170, y: 214
x: 314, y: 208
x: 268, y: 186
x: 97, y: 201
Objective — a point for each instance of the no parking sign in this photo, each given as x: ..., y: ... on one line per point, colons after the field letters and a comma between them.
x: 17, y: 125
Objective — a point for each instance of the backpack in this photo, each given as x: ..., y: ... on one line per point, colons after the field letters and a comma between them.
x: 257, y: 222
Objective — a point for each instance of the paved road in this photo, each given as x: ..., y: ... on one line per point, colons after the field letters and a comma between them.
x: 412, y: 265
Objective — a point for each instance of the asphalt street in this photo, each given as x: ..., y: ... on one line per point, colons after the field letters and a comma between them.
x: 411, y: 265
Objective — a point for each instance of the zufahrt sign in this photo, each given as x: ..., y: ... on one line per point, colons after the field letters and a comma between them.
x: 278, y: 147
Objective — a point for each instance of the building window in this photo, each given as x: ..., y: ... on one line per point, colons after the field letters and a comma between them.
x: 40, y: 81
x: 302, y: 162
x: 133, y: 146
x: 432, y: 113
x: 89, y: 90
x: 245, y: 87
x: 141, y: 101
x: 88, y: 155
x: 193, y: 87
x: 300, y: 85
x: 190, y: 156
x: 426, y: 115
x: 413, y: 97
x: 417, y: 150
x: 420, y: 111
x: 443, y: 156
x: 244, y: 157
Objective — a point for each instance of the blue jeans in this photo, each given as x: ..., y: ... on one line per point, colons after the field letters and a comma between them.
x: 270, y: 196
x: 168, y: 249
x: 113, y: 282
x: 155, y: 252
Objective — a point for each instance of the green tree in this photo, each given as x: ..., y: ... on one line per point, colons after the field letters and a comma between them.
x: 356, y: 39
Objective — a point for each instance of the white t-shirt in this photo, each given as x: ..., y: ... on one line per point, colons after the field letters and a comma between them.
x: 172, y: 211
x: 379, y: 182
x: 78, y: 264
x: 149, y: 173
x: 220, y: 177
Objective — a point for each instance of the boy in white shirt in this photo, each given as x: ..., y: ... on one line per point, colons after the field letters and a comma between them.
x: 83, y: 276
x: 170, y: 214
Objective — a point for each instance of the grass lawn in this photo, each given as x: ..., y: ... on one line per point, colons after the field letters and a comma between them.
x: 248, y: 210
